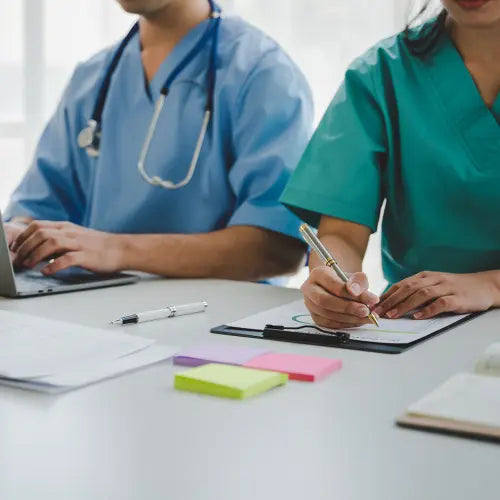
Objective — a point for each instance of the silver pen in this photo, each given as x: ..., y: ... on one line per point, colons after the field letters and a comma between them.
x: 314, y: 242
x: 167, y: 312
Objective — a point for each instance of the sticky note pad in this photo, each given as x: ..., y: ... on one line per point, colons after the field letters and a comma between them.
x: 228, y: 381
x: 298, y: 367
x: 214, y: 353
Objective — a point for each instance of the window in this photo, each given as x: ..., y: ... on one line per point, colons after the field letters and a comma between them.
x: 47, y: 38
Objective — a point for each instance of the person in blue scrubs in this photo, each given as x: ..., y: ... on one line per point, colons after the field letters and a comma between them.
x: 98, y: 212
x: 416, y: 124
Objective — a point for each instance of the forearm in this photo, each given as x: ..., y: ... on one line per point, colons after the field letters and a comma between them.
x: 238, y: 252
x: 348, y: 255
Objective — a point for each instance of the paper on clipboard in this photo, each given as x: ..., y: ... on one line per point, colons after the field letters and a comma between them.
x: 391, y: 331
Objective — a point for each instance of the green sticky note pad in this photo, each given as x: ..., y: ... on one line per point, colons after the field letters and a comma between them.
x: 228, y: 381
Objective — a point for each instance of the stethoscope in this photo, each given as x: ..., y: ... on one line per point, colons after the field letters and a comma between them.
x: 90, y: 137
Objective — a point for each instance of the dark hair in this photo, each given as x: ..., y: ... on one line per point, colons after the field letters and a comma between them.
x: 422, y: 40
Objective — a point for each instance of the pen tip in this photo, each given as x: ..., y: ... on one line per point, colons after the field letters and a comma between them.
x: 374, y: 320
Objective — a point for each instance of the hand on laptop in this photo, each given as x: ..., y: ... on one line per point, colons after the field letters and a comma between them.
x: 12, y: 231
x: 66, y: 245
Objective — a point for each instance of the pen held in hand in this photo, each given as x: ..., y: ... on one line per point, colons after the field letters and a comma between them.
x: 314, y: 242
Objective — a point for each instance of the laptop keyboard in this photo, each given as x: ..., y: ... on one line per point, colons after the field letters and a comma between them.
x: 29, y: 280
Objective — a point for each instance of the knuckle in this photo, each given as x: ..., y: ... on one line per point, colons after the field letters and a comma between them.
x: 323, y: 300
x: 315, y: 296
x: 319, y: 320
x: 445, y: 302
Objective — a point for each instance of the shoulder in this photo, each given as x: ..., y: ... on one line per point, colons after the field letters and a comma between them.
x: 245, y: 48
x: 87, y: 76
x: 249, y: 55
x: 388, y: 54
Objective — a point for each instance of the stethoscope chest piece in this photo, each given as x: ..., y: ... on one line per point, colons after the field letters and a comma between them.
x: 90, y: 137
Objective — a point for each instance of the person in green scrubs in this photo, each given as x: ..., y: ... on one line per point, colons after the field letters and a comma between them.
x: 416, y: 124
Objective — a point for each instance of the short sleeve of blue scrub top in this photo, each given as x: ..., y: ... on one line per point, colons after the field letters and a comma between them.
x: 261, y: 124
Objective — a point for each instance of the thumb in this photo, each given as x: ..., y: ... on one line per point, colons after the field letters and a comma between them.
x: 357, y: 284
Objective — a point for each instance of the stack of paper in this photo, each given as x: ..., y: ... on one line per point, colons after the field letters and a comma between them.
x: 53, y: 356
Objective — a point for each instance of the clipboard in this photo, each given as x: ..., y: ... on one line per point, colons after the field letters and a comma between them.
x: 329, y: 340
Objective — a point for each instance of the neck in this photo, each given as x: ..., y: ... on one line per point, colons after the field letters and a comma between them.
x: 479, y: 44
x: 169, y: 24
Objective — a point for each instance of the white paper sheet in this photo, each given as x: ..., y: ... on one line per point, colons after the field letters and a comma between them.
x: 92, y: 372
x: 465, y: 398
x: 31, y: 346
x: 391, y: 331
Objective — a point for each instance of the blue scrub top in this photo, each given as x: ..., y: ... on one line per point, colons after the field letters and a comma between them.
x: 261, y: 124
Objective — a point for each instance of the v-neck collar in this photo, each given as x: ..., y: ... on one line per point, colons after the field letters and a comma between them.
x: 459, y: 91
x: 153, y: 88
x: 476, y: 126
x: 495, y: 109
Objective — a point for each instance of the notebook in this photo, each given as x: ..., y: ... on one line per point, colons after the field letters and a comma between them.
x: 467, y: 403
x: 228, y: 381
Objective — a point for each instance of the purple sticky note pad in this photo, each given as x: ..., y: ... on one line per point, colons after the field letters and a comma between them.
x: 217, y: 353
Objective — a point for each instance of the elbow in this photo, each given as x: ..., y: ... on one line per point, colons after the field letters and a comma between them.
x: 285, y: 258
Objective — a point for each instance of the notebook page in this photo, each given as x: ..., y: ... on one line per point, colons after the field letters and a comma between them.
x: 465, y: 398
x: 31, y: 346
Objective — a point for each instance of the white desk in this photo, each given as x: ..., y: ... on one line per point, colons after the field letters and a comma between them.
x: 135, y: 437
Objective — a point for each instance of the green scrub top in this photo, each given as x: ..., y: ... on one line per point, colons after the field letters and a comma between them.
x: 411, y: 130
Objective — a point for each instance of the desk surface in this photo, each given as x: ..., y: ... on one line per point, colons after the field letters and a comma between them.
x: 135, y: 437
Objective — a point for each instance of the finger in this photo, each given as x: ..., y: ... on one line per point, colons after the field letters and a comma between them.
x: 431, y: 278
x: 448, y: 303
x: 324, y: 302
x: 31, y: 229
x: 359, y: 317
x: 69, y: 259
x: 329, y: 281
x: 402, y: 290
x: 357, y: 284
x: 330, y: 324
x: 25, y: 250
x: 46, y: 249
x: 417, y: 300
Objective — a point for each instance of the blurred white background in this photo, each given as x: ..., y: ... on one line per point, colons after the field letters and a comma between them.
x: 42, y: 40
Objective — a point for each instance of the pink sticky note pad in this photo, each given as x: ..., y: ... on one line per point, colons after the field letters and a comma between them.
x: 216, y: 353
x: 298, y: 367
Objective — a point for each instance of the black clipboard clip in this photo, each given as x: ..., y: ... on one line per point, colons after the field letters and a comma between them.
x: 295, y: 333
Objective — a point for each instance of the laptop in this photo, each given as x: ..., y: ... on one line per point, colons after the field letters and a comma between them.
x: 31, y: 282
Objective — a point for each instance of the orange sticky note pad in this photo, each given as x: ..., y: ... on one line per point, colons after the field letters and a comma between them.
x: 298, y: 367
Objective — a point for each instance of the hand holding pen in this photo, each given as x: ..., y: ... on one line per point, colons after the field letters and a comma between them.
x: 334, y: 299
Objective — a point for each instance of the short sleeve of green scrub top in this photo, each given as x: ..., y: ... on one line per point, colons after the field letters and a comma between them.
x: 340, y: 172
x: 412, y: 130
